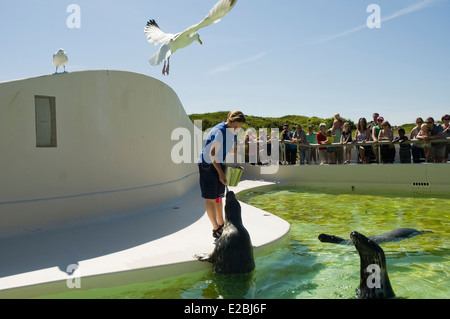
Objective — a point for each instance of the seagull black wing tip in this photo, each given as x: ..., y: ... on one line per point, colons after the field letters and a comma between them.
x: 232, y: 3
x: 152, y: 23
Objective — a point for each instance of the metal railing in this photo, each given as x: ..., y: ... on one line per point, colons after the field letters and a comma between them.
x: 314, y: 147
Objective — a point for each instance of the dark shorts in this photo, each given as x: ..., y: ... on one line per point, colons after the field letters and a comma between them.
x: 210, y: 184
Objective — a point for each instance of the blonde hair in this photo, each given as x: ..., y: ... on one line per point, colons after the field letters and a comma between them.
x: 236, y: 116
x: 424, y: 128
x: 386, y: 123
x: 346, y: 124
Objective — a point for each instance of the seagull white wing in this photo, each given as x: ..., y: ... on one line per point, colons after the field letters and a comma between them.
x: 155, y: 35
x: 215, y: 15
x: 173, y: 42
x: 162, y: 54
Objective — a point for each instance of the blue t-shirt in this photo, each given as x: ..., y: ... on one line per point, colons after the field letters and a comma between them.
x: 286, y: 137
x: 220, y: 133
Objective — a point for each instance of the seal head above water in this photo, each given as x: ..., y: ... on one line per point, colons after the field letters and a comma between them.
x: 374, y: 279
x: 233, y: 253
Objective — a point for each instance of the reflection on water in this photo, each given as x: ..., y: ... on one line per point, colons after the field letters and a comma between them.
x: 307, y: 268
x: 220, y: 286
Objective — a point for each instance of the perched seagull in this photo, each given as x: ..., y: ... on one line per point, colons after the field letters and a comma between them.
x: 173, y: 42
x: 60, y: 59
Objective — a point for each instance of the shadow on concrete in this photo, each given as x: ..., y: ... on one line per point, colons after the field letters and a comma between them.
x: 67, y: 246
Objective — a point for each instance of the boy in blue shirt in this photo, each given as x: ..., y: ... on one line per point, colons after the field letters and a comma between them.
x: 219, y: 142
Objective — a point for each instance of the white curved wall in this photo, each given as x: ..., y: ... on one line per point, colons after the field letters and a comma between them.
x: 424, y: 178
x: 113, y: 149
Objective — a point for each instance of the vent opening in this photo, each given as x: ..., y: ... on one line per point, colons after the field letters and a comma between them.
x: 421, y: 184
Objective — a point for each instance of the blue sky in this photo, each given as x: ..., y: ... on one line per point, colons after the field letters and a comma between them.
x: 266, y: 58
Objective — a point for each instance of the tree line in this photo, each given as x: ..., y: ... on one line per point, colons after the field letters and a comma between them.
x: 209, y: 120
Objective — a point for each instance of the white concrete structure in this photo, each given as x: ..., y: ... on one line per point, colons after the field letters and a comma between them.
x: 411, y: 178
x: 87, y: 182
x: 108, y: 148
x: 137, y: 248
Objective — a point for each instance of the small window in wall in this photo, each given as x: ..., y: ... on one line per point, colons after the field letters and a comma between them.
x: 45, y: 107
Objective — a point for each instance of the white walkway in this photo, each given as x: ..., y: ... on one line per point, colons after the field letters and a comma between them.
x: 141, y: 247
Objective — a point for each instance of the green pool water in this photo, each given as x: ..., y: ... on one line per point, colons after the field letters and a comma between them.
x: 304, y: 267
x: 418, y: 267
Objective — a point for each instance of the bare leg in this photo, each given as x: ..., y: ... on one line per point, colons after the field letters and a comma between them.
x: 164, y: 68
x: 219, y: 213
x: 214, y: 212
x: 362, y: 155
x: 211, y: 211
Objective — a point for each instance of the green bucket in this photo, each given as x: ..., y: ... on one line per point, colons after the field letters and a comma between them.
x: 233, y: 175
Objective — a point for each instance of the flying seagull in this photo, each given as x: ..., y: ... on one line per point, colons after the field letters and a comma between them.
x: 173, y: 42
x: 60, y: 59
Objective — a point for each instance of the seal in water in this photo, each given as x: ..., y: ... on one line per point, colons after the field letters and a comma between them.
x: 233, y: 253
x: 394, y: 235
x: 374, y: 280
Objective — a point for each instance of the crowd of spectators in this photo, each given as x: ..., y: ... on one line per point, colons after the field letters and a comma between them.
x: 373, y: 142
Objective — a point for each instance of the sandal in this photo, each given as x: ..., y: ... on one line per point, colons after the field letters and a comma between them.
x: 218, y: 232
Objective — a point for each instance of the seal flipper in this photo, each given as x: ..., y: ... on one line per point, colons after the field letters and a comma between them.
x: 203, y: 257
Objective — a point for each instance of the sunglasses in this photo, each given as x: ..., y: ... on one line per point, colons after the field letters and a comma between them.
x: 429, y: 122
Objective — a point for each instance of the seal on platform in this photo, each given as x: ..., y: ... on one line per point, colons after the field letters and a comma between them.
x: 394, y: 235
x: 233, y: 253
x: 374, y: 280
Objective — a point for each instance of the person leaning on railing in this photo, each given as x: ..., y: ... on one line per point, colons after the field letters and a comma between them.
x: 362, y: 135
x: 322, y: 139
x: 437, y: 150
x: 418, y: 153
x: 405, y: 148
x: 289, y: 148
x: 387, y: 150
x: 300, y: 138
x: 347, y: 140
x: 312, y: 139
